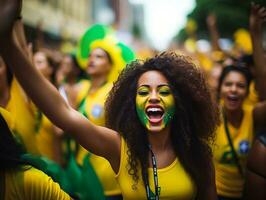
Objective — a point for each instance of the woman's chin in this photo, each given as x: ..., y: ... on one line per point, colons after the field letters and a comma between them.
x: 155, y: 129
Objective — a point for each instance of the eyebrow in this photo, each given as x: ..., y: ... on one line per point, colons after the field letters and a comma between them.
x: 157, y: 86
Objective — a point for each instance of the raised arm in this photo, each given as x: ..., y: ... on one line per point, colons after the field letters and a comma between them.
x: 99, y: 140
x: 257, y: 18
x: 214, y: 34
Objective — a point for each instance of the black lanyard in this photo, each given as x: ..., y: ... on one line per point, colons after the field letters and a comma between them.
x: 235, y: 157
x: 155, y: 177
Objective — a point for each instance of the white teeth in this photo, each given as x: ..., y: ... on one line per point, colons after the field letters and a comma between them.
x: 153, y: 109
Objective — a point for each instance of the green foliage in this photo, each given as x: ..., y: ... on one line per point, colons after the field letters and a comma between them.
x: 231, y: 15
x: 182, y: 35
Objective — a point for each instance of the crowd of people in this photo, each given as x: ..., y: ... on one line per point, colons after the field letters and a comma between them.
x: 101, y: 124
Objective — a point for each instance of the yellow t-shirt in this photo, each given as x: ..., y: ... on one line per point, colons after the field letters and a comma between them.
x: 31, y: 184
x: 23, y: 117
x: 174, y: 182
x: 94, y: 110
x: 45, y: 138
x: 252, y: 98
x: 229, y: 182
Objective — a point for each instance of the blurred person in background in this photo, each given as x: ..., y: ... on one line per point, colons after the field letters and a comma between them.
x: 241, y: 122
x: 70, y: 79
x: 15, y: 101
x: 47, y: 139
x: 18, y: 179
x: 103, y: 60
x: 237, y: 129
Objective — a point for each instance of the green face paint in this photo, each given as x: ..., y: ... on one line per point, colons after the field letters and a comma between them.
x: 166, y: 101
x: 141, y: 100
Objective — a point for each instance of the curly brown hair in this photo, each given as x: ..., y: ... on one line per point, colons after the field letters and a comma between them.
x: 193, y: 124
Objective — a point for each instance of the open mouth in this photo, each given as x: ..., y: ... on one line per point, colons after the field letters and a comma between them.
x: 155, y: 114
x: 233, y: 99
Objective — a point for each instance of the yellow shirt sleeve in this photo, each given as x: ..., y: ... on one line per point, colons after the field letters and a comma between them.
x: 38, y: 185
x: 24, y: 120
x: 30, y: 183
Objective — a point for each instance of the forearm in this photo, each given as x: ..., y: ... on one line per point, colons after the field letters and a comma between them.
x: 43, y: 94
x: 257, y: 16
x: 214, y: 38
x: 214, y: 34
x: 258, y: 52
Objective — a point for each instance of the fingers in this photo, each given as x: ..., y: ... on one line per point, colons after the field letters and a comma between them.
x: 211, y: 19
x: 258, y: 12
x: 262, y: 12
x: 254, y: 5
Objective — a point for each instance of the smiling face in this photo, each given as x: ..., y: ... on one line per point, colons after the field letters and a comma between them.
x: 234, y: 90
x: 154, y: 101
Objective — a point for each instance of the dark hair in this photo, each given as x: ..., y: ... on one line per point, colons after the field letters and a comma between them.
x: 74, y: 60
x: 9, y: 73
x: 81, y: 73
x: 108, y: 56
x: 192, y: 126
x: 10, y: 150
x: 236, y: 68
x: 247, y: 60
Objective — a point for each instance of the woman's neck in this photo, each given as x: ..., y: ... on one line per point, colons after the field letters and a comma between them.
x: 162, y: 148
x: 96, y: 83
x: 71, y: 79
x: 234, y: 117
x: 160, y: 140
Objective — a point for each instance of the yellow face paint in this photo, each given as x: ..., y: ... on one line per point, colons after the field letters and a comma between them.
x: 165, y: 102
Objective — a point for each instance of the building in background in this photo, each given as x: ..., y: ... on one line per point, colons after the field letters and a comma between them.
x: 52, y: 21
x: 57, y: 23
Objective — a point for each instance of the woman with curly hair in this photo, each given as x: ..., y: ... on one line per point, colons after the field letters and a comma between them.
x: 160, y: 115
x: 164, y: 113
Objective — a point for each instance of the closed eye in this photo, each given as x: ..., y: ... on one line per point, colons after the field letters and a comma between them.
x: 164, y: 93
x: 143, y: 93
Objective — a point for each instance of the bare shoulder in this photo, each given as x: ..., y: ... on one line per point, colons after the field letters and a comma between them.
x: 259, y: 116
x: 257, y: 157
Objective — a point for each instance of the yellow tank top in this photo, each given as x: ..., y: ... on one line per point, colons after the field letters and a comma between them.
x: 229, y: 182
x: 23, y: 118
x: 94, y: 111
x: 174, y: 182
x: 31, y: 184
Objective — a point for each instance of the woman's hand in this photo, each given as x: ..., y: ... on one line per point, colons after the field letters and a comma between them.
x: 257, y: 18
x: 9, y: 12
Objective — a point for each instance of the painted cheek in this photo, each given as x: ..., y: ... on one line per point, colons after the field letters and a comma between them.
x: 169, y: 109
x: 140, y: 106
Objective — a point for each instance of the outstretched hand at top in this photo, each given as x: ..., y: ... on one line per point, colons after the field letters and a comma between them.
x: 9, y: 12
x: 257, y: 18
x: 211, y: 20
